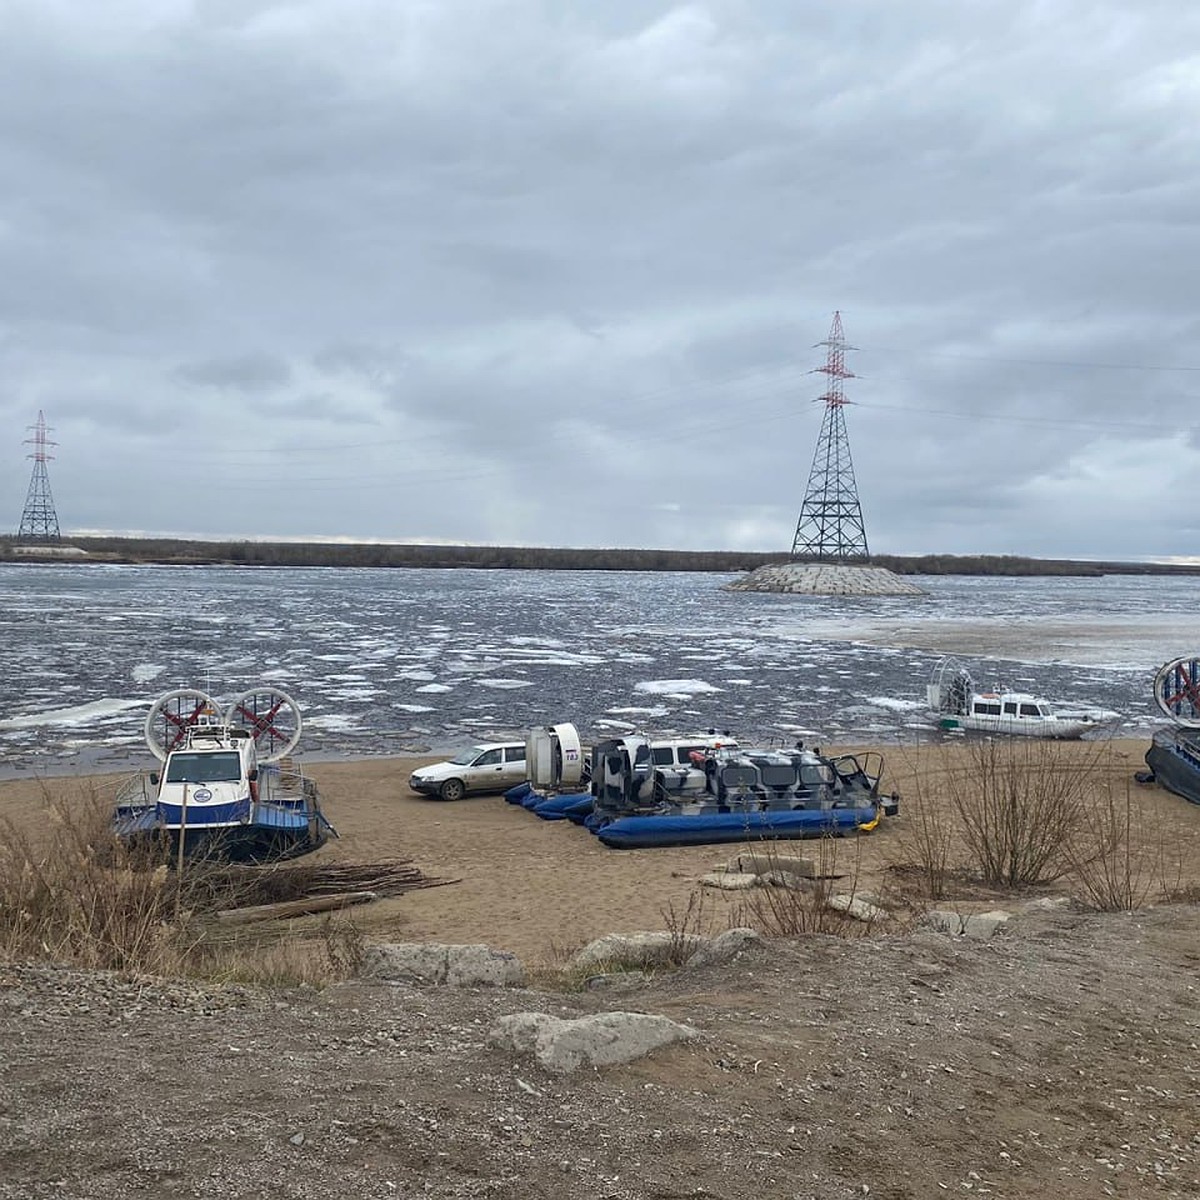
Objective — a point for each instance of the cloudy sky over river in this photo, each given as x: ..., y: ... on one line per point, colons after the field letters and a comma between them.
x: 552, y: 274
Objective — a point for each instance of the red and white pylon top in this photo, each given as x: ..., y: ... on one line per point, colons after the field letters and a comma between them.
x: 835, y: 364
x: 39, y: 441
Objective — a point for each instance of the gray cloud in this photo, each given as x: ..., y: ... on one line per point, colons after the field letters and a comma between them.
x: 246, y: 373
x: 500, y: 272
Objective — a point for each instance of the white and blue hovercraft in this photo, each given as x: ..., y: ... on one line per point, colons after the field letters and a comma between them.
x: 228, y: 788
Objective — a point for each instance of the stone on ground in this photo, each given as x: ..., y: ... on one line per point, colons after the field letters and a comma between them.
x: 975, y: 925
x: 858, y: 907
x: 726, y: 947
x: 601, y: 1040
x: 657, y: 949
x: 729, y: 881
x: 762, y: 864
x: 433, y: 962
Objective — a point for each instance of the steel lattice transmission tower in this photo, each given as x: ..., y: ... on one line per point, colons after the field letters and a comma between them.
x: 39, y: 522
x: 831, y: 521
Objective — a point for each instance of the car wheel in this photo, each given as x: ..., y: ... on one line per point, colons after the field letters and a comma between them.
x: 452, y: 789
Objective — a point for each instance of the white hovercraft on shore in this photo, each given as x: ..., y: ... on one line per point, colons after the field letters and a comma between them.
x: 228, y: 787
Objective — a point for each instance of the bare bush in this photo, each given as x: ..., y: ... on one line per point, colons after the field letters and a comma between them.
x: 789, y: 908
x: 1119, y: 859
x: 927, y: 838
x: 1017, y: 803
x: 685, y: 928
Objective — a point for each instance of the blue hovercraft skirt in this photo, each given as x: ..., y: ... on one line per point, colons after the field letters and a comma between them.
x: 579, y: 812
x: 638, y: 833
x: 555, y: 808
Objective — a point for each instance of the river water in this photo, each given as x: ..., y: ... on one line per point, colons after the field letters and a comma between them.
x: 396, y: 661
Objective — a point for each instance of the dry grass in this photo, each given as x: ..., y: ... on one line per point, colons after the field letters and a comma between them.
x: 331, y: 951
x: 77, y: 895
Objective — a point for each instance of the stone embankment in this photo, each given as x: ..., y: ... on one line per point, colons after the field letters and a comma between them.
x: 825, y: 579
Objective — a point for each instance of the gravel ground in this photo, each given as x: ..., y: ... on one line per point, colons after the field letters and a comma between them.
x: 1058, y: 1059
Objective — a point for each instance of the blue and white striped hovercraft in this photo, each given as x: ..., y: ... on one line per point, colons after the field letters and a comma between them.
x: 228, y: 788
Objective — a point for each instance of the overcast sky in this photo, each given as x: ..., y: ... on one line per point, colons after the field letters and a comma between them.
x: 552, y: 272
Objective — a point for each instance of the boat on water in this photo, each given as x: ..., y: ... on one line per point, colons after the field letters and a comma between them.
x: 707, y: 789
x: 1174, y: 753
x: 228, y: 788
x: 957, y: 704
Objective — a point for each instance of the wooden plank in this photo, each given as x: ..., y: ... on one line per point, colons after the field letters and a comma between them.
x: 294, y: 908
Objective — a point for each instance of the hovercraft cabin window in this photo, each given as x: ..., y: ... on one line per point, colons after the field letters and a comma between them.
x: 225, y: 766
x: 987, y: 708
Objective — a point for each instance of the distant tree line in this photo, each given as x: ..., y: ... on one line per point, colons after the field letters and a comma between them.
x: 174, y: 551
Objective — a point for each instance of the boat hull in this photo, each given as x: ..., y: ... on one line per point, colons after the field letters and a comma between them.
x: 1174, y: 757
x: 644, y: 833
x: 1059, y: 729
x: 265, y: 836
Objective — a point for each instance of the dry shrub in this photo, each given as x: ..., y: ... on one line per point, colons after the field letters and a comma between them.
x: 927, y: 838
x: 792, y: 907
x: 76, y: 894
x: 685, y: 927
x: 1119, y: 857
x: 1017, y: 803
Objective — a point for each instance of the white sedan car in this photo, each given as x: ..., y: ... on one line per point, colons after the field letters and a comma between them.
x: 492, y: 768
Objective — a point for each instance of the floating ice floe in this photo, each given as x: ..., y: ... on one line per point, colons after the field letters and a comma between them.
x: 79, y: 715
x: 895, y: 705
x: 674, y: 687
x: 332, y: 723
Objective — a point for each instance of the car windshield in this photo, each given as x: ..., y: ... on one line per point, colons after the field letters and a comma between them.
x: 467, y: 757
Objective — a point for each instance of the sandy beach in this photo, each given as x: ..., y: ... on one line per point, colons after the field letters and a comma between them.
x: 1055, y: 1058
x: 542, y: 889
